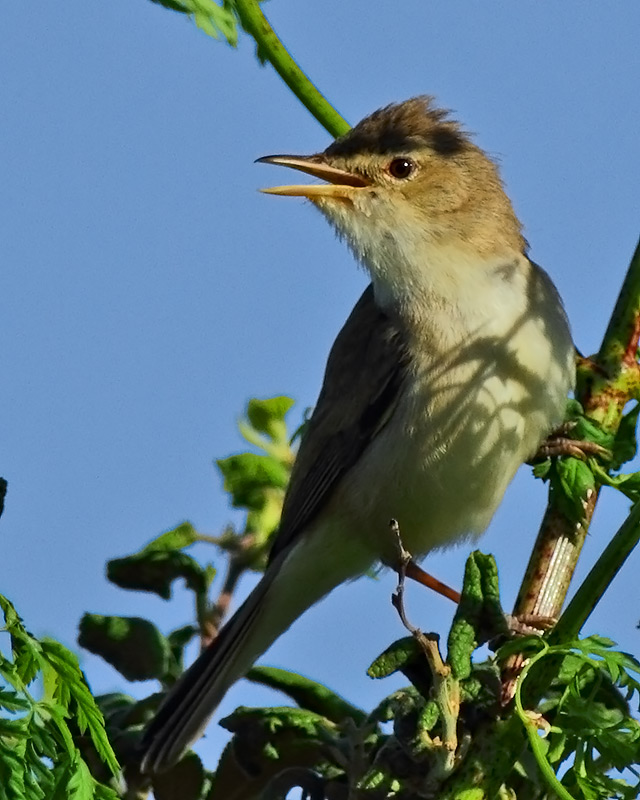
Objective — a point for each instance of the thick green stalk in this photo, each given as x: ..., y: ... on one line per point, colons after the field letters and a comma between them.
x: 271, y: 48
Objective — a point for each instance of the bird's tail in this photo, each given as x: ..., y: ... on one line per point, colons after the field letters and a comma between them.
x: 293, y: 582
x: 183, y: 715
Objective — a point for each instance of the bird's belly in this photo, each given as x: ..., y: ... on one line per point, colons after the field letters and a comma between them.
x: 447, y: 467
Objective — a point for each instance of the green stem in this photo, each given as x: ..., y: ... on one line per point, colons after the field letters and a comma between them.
x: 597, y: 581
x: 271, y: 49
x: 535, y: 742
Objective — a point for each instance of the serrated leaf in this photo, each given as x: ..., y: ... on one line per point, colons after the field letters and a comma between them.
x: 155, y: 570
x: 12, y: 775
x: 87, y: 714
x: 134, y: 646
x: 11, y: 617
x: 81, y: 784
x: 12, y: 701
x: 584, y: 714
x: 306, y: 693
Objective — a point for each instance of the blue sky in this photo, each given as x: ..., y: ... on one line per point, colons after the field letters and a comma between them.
x: 148, y: 290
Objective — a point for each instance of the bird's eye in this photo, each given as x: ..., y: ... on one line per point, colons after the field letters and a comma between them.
x: 401, y: 168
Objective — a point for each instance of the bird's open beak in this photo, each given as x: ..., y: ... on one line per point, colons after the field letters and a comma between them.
x: 340, y: 182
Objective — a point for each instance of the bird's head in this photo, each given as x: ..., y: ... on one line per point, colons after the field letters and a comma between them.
x: 405, y: 180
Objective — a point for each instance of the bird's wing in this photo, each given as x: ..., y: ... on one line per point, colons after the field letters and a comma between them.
x: 365, y: 372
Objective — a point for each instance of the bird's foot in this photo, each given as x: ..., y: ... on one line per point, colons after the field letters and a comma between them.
x: 560, y: 443
x: 526, y: 624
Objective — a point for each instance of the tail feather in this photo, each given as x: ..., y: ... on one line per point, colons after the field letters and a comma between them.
x: 294, y: 581
x: 186, y: 710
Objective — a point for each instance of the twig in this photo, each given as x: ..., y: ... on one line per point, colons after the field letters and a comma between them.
x: 446, y: 689
x: 271, y: 49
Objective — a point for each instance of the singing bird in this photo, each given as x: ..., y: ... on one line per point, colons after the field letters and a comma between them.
x: 451, y: 369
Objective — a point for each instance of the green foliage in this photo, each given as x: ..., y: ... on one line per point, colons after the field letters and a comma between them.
x: 134, y: 646
x: 307, y: 693
x: 572, y: 479
x: 588, y: 717
x: 156, y: 570
x: 39, y: 753
x: 451, y: 736
x: 216, y: 20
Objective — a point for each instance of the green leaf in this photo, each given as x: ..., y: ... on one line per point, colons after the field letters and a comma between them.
x: 304, y: 723
x: 179, y: 639
x: 625, y: 443
x: 213, y: 19
x: 25, y: 649
x: 267, y: 741
x: 398, y: 703
x: 177, y: 539
x: 12, y: 775
x: 463, y: 638
x: 12, y: 701
x: 571, y: 482
x: 268, y: 416
x: 81, y: 783
x: 585, y: 428
x: 155, y: 570
x: 397, y: 656
x: 134, y: 646
x: 307, y: 693
x: 541, y: 469
x: 247, y: 475
x: 87, y: 714
x: 174, y: 5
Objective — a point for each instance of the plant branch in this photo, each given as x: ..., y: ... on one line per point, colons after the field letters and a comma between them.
x: 271, y: 49
x: 597, y: 581
x: 210, y: 619
x: 606, y: 383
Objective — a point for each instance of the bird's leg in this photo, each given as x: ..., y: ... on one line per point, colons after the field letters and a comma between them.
x: 406, y: 567
x: 560, y: 443
x: 403, y: 560
x: 416, y: 573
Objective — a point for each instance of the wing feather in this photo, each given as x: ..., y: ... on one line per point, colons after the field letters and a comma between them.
x: 363, y: 379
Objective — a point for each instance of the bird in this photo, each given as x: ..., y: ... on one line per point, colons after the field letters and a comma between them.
x: 451, y: 369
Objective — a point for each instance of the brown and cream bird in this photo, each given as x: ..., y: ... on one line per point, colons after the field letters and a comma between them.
x: 451, y: 369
